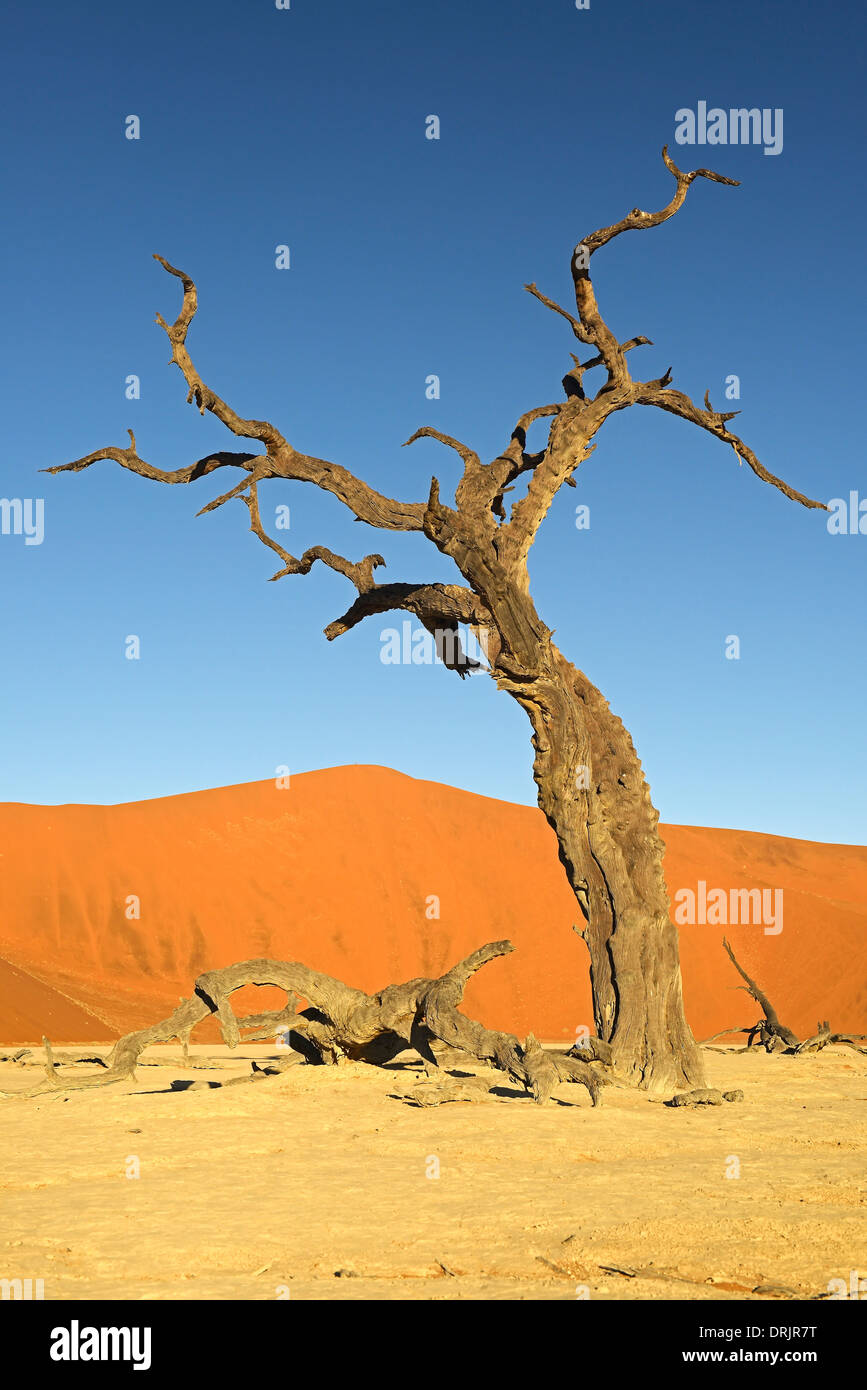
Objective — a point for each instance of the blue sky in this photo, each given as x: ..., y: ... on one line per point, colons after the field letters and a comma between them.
x: 306, y: 127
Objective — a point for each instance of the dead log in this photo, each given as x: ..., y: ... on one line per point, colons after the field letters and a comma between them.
x: 706, y: 1095
x: 340, y: 1022
x: 773, y: 1035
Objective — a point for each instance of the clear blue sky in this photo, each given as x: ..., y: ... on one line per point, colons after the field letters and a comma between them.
x: 307, y: 127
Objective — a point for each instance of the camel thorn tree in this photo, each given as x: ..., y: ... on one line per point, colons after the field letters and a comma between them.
x: 590, y: 784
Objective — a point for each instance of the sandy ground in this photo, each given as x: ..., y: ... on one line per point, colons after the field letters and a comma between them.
x: 320, y: 1184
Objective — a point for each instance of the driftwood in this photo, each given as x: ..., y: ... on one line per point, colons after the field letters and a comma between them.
x: 773, y: 1035
x: 340, y: 1023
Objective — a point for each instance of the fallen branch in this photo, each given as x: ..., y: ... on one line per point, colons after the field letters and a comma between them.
x: 340, y: 1022
x: 773, y: 1035
x: 706, y: 1095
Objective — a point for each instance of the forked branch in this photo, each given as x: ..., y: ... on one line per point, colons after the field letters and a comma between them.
x: 489, y: 547
x: 715, y: 422
x: 129, y: 458
x: 637, y: 220
x: 612, y: 352
x: 280, y: 460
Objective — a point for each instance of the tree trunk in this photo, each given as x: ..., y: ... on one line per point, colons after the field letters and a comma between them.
x: 595, y: 798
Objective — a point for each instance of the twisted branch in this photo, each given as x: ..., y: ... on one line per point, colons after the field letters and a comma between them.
x: 360, y: 573
x: 342, y: 1022
x: 677, y: 403
x: 637, y: 220
x: 280, y: 460
x: 129, y: 458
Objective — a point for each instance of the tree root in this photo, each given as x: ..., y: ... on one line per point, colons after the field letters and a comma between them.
x: 773, y: 1035
x: 340, y: 1023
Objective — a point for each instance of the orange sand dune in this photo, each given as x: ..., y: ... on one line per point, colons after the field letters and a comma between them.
x: 347, y: 870
x: 29, y: 1008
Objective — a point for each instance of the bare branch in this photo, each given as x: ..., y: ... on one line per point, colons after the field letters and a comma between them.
x: 442, y: 605
x: 502, y: 471
x: 577, y: 326
x: 367, y: 504
x: 469, y: 456
x: 440, y: 608
x: 129, y: 458
x: 581, y: 332
x: 590, y: 316
x: 281, y: 460
x: 631, y: 343
x: 677, y: 403
x: 204, y: 397
x: 720, y: 414
x: 638, y: 220
x: 539, y: 412
x: 726, y: 1032
x: 472, y: 494
x: 360, y: 573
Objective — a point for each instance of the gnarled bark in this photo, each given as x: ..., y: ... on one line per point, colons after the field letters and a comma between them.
x: 612, y: 852
x: 593, y: 793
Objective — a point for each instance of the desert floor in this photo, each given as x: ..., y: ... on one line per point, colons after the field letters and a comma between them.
x: 320, y: 1184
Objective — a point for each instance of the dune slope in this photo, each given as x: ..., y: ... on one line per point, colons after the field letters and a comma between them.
x: 108, y: 913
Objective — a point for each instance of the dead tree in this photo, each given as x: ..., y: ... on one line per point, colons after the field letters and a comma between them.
x: 590, y: 783
x: 340, y: 1022
x: 773, y: 1035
